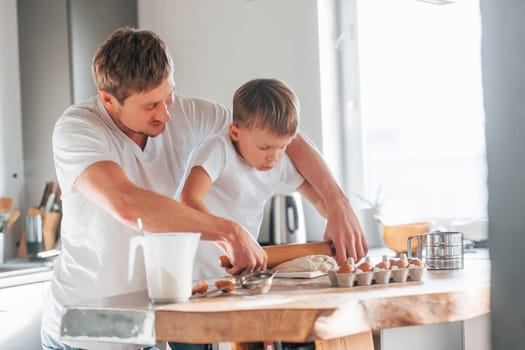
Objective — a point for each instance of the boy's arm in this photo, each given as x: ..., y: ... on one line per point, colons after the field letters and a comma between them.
x: 342, y: 226
x: 195, y: 188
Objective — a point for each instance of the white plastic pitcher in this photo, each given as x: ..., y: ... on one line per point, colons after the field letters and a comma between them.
x: 168, y: 259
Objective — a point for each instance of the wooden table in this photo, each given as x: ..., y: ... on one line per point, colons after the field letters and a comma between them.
x: 300, y: 310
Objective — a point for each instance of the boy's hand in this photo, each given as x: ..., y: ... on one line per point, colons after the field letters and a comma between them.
x: 245, y: 254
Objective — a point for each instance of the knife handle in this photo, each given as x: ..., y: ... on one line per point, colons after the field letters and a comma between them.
x: 278, y: 254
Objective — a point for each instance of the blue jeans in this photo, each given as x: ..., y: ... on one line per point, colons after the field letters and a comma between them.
x: 49, y: 342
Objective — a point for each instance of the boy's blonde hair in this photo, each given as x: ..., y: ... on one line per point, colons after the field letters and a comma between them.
x: 268, y: 104
x: 131, y: 61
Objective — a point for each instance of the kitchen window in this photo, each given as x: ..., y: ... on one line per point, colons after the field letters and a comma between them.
x: 413, y: 107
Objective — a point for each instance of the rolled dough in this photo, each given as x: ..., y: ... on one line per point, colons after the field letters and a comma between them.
x: 319, y: 262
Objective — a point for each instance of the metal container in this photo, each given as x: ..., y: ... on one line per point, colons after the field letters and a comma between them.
x: 34, y: 243
x: 443, y: 250
x: 2, y: 247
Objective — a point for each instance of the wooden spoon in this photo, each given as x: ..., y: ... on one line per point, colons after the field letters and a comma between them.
x: 49, y: 229
x: 6, y: 204
x: 12, y: 218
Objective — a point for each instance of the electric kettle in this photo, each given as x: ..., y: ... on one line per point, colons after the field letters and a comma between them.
x: 283, y: 220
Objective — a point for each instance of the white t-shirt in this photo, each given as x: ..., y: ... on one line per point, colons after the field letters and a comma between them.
x: 238, y: 192
x: 94, y: 258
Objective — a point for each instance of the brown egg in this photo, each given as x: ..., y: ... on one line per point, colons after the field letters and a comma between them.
x: 346, y: 268
x: 384, y: 264
x: 226, y: 284
x: 225, y: 262
x: 401, y: 264
x: 200, y: 287
x: 366, y: 266
x: 416, y: 262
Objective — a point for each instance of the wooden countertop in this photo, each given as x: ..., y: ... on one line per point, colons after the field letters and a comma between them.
x: 303, y: 310
x: 297, y: 310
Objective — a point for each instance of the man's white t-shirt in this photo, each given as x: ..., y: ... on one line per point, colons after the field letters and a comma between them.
x: 94, y: 258
x: 238, y: 192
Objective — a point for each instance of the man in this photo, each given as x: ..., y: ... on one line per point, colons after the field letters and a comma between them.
x: 122, y: 155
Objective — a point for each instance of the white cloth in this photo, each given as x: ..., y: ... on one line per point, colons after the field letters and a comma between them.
x: 94, y: 258
x: 238, y: 192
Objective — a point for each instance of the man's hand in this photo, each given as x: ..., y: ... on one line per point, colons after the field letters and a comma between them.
x: 344, y: 230
x: 245, y: 254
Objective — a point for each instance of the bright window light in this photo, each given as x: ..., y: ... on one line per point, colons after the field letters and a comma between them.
x: 421, y: 107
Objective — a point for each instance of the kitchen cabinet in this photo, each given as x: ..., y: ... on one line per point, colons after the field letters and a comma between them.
x: 11, y: 156
x: 44, y: 67
x: 476, y: 333
x: 20, y: 314
x: 471, y: 334
x: 55, y: 69
x: 441, y: 336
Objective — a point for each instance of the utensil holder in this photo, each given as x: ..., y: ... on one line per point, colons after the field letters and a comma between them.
x: 2, y: 247
x: 34, y: 243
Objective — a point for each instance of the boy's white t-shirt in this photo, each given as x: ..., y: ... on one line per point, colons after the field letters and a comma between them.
x: 238, y: 192
x: 94, y: 258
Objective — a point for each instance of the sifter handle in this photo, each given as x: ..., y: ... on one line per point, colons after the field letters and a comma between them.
x: 419, y: 245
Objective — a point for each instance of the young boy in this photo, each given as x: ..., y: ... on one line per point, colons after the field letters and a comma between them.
x: 234, y: 174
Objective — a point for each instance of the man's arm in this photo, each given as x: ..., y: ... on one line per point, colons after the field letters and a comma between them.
x: 342, y: 226
x: 313, y: 197
x: 106, y: 184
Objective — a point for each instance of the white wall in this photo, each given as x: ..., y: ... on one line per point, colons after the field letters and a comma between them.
x: 218, y: 45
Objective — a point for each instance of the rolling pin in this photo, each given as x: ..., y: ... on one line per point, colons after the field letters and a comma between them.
x: 280, y: 253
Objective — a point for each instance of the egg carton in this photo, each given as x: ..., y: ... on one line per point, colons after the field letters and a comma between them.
x: 411, y: 273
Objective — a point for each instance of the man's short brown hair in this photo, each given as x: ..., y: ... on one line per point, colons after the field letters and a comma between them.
x: 131, y: 61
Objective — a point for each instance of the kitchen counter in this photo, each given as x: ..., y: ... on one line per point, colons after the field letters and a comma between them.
x: 16, y: 272
x: 22, y: 295
x: 294, y: 310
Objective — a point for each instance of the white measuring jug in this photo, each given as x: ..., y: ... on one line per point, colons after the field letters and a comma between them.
x: 168, y: 259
